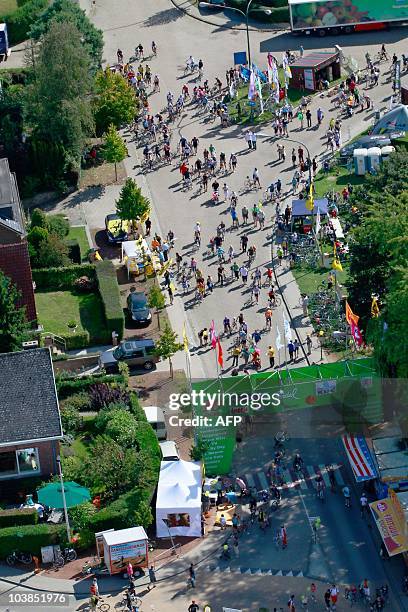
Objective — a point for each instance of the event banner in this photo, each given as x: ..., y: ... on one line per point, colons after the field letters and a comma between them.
x: 391, y: 524
x: 341, y: 12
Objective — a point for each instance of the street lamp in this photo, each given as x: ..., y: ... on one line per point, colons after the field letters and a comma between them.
x: 321, y: 335
x: 245, y: 14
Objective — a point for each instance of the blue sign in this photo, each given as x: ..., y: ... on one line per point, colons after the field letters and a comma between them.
x: 240, y: 58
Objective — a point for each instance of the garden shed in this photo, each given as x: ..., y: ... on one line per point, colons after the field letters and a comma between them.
x: 309, y: 71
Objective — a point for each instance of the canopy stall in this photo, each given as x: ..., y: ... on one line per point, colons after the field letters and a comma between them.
x: 178, y: 505
x: 360, y: 459
x: 136, y: 254
x: 302, y: 218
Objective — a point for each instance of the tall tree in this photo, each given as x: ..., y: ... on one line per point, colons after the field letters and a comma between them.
x: 114, y: 148
x: 115, y: 101
x: 168, y: 345
x: 67, y: 11
x: 56, y: 104
x: 13, y: 322
x: 132, y: 205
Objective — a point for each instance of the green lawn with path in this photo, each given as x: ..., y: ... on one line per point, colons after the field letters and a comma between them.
x: 309, y: 280
x: 336, y: 179
x: 79, y: 233
x: 56, y: 308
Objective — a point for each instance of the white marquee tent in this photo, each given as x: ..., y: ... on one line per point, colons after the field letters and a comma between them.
x: 178, y: 506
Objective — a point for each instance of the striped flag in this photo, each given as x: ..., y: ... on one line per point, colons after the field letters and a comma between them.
x: 213, y: 335
x: 251, y: 89
x: 259, y: 90
x: 359, y: 456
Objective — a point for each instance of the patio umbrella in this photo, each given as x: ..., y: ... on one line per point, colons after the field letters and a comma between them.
x: 51, y: 495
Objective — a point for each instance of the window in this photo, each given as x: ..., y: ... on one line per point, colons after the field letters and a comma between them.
x: 137, y: 354
x: 178, y: 520
x: 21, y: 462
x: 8, y: 464
x: 28, y: 460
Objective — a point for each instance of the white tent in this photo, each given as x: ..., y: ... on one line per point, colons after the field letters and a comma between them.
x: 178, y: 505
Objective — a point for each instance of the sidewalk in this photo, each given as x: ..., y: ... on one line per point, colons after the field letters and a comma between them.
x: 225, y: 18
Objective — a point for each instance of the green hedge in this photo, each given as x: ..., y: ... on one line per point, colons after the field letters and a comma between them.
x: 74, y: 251
x: 30, y: 538
x: 69, y: 386
x: 20, y: 21
x: 109, y: 292
x: 76, y: 340
x: 15, y: 516
x: 58, y: 279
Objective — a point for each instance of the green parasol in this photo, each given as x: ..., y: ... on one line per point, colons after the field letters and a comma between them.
x: 51, y: 495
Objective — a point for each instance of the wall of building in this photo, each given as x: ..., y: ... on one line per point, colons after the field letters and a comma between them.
x: 15, y: 263
x: 47, y: 453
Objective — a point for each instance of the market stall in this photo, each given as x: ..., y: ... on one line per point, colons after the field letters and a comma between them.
x: 178, y: 505
x: 302, y: 218
x: 314, y: 70
x: 125, y: 546
x: 136, y: 254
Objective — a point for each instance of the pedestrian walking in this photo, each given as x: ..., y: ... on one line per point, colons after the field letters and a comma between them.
x: 192, y: 575
x: 283, y: 536
x: 291, y: 604
x: 309, y: 118
x: 296, y: 347
x: 129, y: 570
x: 152, y: 577
x: 300, y: 117
x: 193, y: 607
x: 171, y: 295
x: 280, y: 255
x: 253, y: 140
x: 309, y: 344
x: 248, y: 138
x: 293, y: 158
x: 291, y: 350
x: 271, y: 356
x: 268, y: 319
x: 235, y: 549
x: 236, y: 352
x: 244, y: 243
x: 220, y: 274
x: 327, y: 599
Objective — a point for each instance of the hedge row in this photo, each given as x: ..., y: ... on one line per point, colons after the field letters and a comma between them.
x: 30, y: 538
x: 20, y: 21
x: 15, y: 516
x: 109, y: 292
x: 76, y: 340
x: 69, y: 386
x: 59, y: 279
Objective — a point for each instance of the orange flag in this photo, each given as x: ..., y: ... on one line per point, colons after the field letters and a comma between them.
x: 350, y: 316
x: 220, y: 354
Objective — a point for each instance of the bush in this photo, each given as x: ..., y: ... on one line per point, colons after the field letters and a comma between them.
x: 38, y: 218
x: 74, y: 250
x: 120, y: 514
x: 136, y: 408
x: 78, y: 401
x: 102, y: 395
x: 80, y: 515
x: 122, y: 427
x: 58, y: 225
x: 30, y: 538
x: 19, y: 22
x: 66, y: 387
x: 13, y: 517
x: 106, y: 413
x: 76, y: 340
x: 57, y: 279
x: 109, y: 292
x: 71, y: 419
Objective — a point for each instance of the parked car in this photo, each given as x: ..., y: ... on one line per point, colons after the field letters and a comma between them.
x: 116, y: 229
x: 136, y: 353
x: 155, y: 418
x: 365, y: 142
x: 138, y: 308
x: 169, y: 451
x: 212, y: 4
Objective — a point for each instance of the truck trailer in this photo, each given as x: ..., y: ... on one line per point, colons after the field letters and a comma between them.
x: 323, y: 17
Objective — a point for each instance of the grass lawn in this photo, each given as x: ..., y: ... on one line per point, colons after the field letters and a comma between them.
x: 79, y: 233
x: 337, y: 178
x: 7, y: 7
x: 309, y: 280
x: 56, y: 308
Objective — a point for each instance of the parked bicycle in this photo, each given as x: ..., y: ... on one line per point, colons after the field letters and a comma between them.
x: 18, y: 556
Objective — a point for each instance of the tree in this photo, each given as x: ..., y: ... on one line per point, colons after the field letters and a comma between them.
x: 115, y: 101
x: 66, y: 11
x: 38, y: 218
x: 46, y: 250
x: 156, y: 300
x: 13, y: 322
x: 58, y: 225
x: 132, y: 205
x: 198, y: 451
x: 56, y: 104
x: 114, y: 149
x: 168, y: 345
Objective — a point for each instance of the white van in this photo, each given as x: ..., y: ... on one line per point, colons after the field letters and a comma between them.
x: 155, y: 416
x: 169, y: 451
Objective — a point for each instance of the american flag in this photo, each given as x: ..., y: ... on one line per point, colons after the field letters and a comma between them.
x: 359, y: 457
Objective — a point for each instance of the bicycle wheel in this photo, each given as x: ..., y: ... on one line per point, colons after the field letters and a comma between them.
x: 104, y: 607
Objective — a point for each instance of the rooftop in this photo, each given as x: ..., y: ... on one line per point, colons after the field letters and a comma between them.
x: 29, y: 408
x: 10, y: 207
x: 311, y: 60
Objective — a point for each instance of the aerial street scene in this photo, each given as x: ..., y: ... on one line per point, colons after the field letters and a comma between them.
x: 203, y: 305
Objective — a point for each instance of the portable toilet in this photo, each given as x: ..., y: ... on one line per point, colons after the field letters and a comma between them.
x: 386, y: 151
x: 360, y: 161
x: 4, y: 45
x: 373, y: 158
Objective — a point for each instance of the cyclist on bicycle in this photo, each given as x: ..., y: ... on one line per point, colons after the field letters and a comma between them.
x: 383, y: 52
x: 332, y: 479
x: 319, y: 486
x: 298, y: 463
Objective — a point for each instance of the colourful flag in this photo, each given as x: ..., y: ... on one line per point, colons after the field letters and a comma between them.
x: 318, y: 222
x: 251, y: 89
x: 286, y: 326
x: 213, y: 335
x: 279, y: 344
x: 336, y: 265
x: 259, y: 90
x: 185, y: 339
x: 356, y: 333
x: 220, y: 354
x: 375, y: 309
x: 350, y: 316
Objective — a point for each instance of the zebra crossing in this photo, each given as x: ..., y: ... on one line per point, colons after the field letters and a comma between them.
x: 254, y: 571
x: 294, y: 480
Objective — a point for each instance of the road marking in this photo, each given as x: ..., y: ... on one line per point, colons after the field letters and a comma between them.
x: 250, y: 480
x: 263, y: 480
